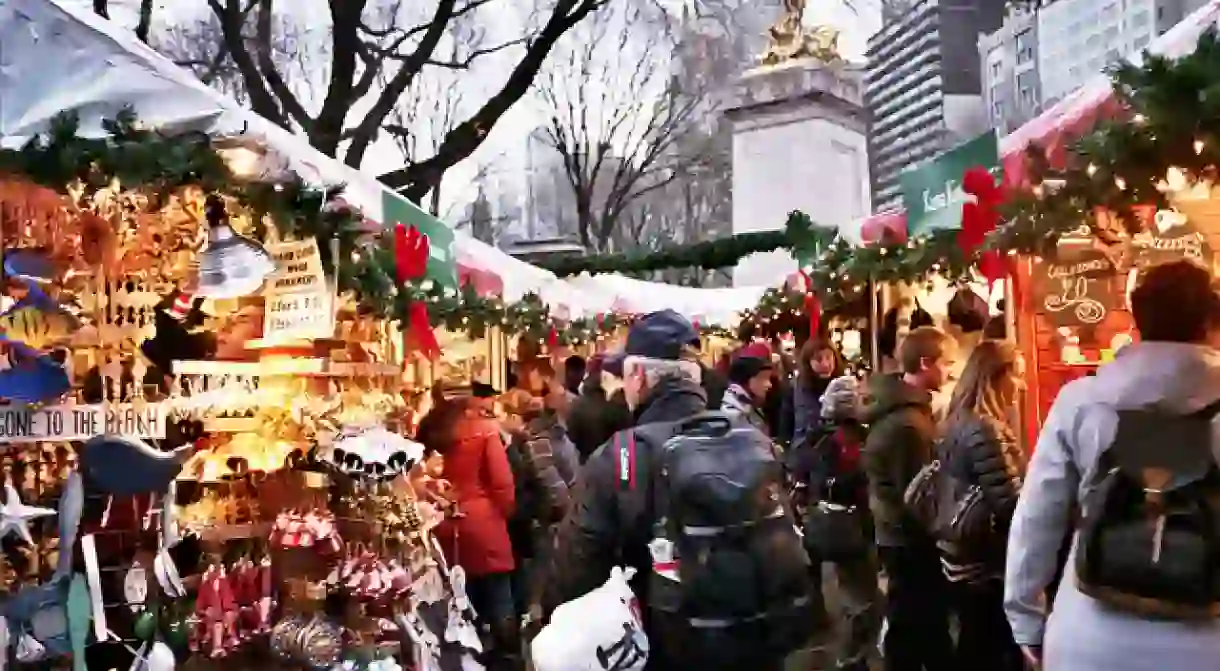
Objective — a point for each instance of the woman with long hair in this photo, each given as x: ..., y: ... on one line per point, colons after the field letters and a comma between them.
x: 476, y: 537
x: 817, y: 364
x: 984, y: 466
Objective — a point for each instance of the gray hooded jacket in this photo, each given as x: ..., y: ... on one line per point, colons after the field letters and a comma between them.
x: 1081, y: 634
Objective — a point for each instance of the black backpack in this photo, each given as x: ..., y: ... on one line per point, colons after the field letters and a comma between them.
x: 730, y: 584
x: 1149, y: 532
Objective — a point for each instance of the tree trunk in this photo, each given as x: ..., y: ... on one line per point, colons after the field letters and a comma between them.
x: 145, y: 24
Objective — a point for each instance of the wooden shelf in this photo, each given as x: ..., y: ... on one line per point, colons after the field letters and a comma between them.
x: 309, y: 367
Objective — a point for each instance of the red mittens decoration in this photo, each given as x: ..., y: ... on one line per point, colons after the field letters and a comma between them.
x: 411, y: 253
x: 979, y: 219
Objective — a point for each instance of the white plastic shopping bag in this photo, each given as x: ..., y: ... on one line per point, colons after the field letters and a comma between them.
x: 600, y: 631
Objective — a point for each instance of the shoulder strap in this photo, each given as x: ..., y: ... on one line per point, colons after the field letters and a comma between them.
x: 624, y: 443
x: 1208, y: 411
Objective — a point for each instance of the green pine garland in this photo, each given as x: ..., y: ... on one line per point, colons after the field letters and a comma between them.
x: 1169, y: 118
x: 799, y: 235
x: 160, y: 165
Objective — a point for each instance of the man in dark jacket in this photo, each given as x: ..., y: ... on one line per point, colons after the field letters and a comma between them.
x: 611, y: 524
x: 594, y: 415
x: 900, y: 442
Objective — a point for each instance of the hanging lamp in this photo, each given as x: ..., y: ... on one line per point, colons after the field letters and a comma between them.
x: 231, y: 265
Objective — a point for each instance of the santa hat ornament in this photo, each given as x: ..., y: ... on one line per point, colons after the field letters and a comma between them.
x: 181, y: 306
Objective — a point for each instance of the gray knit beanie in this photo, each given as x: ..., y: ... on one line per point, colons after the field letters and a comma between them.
x: 841, y: 400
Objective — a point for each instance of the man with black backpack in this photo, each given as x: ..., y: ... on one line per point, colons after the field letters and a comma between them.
x: 694, y: 502
x: 1135, y: 447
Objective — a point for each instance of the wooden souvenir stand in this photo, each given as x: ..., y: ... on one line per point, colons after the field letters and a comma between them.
x: 1073, y: 313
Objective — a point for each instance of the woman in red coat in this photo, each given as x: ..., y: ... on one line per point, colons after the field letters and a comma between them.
x: 476, y: 536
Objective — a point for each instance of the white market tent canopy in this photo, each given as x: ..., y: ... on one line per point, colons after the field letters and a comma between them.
x: 59, y: 58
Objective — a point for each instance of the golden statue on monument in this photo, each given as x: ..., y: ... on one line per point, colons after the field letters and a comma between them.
x: 791, y: 41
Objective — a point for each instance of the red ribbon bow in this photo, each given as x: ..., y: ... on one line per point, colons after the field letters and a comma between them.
x: 979, y: 219
x: 411, y: 253
x: 813, y: 306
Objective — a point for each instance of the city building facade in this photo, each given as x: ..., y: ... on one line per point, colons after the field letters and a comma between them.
x: 1079, y: 38
x: 1012, y: 86
x: 1036, y: 58
x: 923, y: 89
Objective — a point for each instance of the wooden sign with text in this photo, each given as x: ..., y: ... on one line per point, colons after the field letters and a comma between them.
x: 1074, y: 289
x: 27, y: 424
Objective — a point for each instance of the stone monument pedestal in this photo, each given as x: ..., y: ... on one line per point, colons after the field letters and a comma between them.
x: 799, y: 143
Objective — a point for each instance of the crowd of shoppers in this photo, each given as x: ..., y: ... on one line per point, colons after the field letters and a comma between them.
x: 945, y: 538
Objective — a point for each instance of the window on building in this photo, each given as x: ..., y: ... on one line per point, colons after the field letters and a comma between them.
x: 1025, y: 46
x: 997, y: 113
x: 1025, y: 89
x: 997, y: 68
x: 1139, y: 20
x: 1140, y: 42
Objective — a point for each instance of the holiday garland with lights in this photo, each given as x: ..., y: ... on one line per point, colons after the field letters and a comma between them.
x: 160, y: 165
x: 838, y: 272
x: 1164, y: 136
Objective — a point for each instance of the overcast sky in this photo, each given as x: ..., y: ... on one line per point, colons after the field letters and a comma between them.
x: 857, y: 19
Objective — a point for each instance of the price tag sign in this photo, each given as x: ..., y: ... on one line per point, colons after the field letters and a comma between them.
x: 298, y: 267
x: 301, y: 315
x: 26, y: 424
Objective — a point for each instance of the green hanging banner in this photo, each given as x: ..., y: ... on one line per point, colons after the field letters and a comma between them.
x: 932, y: 193
x: 442, y: 267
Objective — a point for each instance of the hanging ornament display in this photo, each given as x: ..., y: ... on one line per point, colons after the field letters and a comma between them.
x: 15, y: 516
x: 231, y: 265
x: 373, y: 453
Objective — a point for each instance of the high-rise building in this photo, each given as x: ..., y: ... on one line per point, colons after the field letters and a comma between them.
x: 922, y: 86
x: 1012, y: 88
x: 1034, y: 59
x: 1077, y: 39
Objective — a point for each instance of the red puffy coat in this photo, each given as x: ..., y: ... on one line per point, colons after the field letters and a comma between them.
x: 477, y: 467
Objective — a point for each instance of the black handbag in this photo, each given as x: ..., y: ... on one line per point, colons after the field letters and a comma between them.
x: 836, y: 532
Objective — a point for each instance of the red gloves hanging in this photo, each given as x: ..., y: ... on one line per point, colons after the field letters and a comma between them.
x: 979, y: 219
x: 411, y: 252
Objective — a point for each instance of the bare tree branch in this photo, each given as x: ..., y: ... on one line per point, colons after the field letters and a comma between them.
x: 618, y: 122
x: 374, y: 53
x: 461, y: 142
x: 464, y: 63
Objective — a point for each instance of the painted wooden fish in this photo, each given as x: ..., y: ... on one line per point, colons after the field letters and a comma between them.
x: 80, y: 619
x: 36, y: 328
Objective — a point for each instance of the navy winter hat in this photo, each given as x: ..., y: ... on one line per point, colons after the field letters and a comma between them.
x: 658, y: 335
